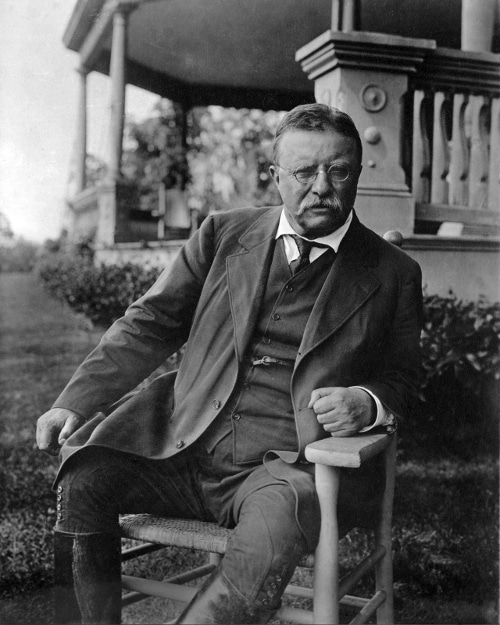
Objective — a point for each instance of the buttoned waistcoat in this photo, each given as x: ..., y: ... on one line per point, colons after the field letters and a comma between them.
x: 363, y: 330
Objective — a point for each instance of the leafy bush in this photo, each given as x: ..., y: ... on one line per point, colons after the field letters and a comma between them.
x: 461, y: 339
x: 460, y: 385
x: 102, y: 293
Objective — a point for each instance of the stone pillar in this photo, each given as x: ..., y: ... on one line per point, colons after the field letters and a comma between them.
x: 81, y: 141
x: 366, y: 75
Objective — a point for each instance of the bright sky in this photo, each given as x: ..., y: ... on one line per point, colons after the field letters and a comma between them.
x: 38, y: 113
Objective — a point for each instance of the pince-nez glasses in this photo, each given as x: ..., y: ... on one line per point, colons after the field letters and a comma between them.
x: 307, y: 175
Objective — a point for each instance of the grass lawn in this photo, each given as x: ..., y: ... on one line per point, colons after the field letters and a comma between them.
x: 446, y: 510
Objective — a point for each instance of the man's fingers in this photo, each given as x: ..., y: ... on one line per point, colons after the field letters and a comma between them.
x: 318, y: 393
x: 44, y: 436
x: 54, y: 427
x: 45, y: 439
x: 327, y: 416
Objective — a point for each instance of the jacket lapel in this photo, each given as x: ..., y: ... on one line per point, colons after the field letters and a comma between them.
x: 349, y: 284
x: 247, y: 273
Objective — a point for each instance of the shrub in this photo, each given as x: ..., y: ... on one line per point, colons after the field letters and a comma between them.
x: 102, y: 293
x: 460, y: 374
x: 461, y: 339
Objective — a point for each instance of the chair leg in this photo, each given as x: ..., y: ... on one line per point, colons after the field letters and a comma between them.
x: 383, y: 576
x: 326, y: 585
x: 383, y: 536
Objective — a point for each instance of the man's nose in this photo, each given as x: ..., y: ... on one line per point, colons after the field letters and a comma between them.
x: 322, y: 185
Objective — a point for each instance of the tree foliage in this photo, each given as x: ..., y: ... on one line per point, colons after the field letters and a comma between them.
x: 155, y: 152
x: 19, y: 255
x: 229, y: 157
x: 220, y: 156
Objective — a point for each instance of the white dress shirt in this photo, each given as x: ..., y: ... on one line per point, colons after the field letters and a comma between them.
x: 332, y: 240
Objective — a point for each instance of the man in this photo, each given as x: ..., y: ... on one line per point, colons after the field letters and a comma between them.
x: 286, y: 343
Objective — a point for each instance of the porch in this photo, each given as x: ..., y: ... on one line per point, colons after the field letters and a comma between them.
x: 423, y: 88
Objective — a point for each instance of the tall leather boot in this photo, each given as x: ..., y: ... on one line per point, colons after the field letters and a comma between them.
x: 219, y: 602
x: 96, y: 569
x: 66, y: 610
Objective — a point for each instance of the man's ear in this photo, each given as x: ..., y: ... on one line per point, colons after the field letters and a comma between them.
x: 274, y: 171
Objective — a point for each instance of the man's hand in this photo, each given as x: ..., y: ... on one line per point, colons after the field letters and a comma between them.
x: 54, y: 427
x: 343, y: 411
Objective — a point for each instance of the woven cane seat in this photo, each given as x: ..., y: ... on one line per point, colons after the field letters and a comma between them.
x: 186, y: 533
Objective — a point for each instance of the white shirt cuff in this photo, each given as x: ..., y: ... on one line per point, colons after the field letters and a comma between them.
x: 381, y: 411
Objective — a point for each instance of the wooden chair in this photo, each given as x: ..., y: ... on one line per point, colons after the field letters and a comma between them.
x: 330, y: 456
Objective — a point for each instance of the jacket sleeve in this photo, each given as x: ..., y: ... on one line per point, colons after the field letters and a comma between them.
x: 398, y: 371
x: 152, y: 329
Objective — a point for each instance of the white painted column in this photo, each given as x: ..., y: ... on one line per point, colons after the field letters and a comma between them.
x: 348, y: 15
x: 117, y: 74
x: 478, y: 21
x: 81, y: 139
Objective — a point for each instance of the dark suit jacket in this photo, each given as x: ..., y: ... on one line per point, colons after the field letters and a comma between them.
x: 364, y: 330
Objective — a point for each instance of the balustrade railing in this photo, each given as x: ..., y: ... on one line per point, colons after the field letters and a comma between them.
x: 455, y: 141
x: 85, y: 214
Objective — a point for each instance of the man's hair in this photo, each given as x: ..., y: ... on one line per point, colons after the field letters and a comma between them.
x: 317, y: 118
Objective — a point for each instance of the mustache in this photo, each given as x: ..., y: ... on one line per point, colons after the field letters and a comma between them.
x: 335, y: 203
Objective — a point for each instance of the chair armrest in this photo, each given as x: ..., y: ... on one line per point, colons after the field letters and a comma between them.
x: 346, y: 452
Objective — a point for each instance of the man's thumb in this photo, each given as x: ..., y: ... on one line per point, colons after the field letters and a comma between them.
x: 71, y: 425
x: 318, y: 393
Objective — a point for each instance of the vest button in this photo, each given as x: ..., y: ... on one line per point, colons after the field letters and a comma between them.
x: 246, y: 387
x: 236, y: 417
x: 275, y: 316
x: 266, y: 340
x: 180, y: 444
x: 216, y: 404
x: 289, y: 288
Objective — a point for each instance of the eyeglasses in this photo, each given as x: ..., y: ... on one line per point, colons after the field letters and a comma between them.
x: 307, y: 175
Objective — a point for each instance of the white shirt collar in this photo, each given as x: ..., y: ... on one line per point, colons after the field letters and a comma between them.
x: 333, y: 239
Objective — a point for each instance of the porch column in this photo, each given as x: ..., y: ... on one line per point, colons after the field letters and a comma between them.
x: 115, y: 196
x: 478, y: 22
x: 81, y: 138
x: 118, y: 84
x: 367, y: 75
x: 345, y: 15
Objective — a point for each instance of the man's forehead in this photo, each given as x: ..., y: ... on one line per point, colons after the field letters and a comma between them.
x: 298, y: 141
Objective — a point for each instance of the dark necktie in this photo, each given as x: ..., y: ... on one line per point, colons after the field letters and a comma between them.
x: 304, y: 251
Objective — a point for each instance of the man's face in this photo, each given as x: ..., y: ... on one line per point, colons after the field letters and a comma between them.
x: 321, y: 206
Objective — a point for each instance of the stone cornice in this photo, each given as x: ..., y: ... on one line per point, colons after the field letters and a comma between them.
x: 364, y: 51
x: 460, y: 70
x: 460, y: 244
